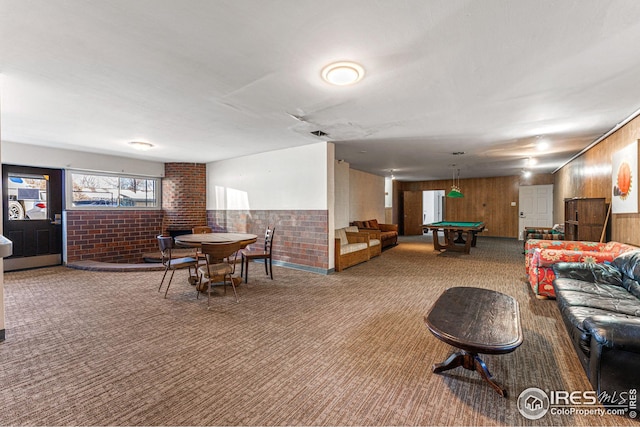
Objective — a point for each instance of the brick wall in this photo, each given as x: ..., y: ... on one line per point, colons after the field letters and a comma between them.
x: 301, y: 236
x: 125, y: 235
x: 184, y: 196
x: 112, y: 236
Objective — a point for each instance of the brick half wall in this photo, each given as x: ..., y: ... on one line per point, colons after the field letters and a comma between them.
x: 112, y: 236
x: 301, y: 237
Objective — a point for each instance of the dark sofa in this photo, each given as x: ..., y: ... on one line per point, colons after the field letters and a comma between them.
x: 600, y: 306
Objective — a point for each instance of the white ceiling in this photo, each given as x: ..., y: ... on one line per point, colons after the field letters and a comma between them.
x: 206, y: 80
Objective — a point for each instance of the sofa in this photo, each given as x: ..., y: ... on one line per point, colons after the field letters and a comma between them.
x: 351, y: 248
x: 544, y: 233
x: 388, y: 232
x: 375, y: 242
x: 600, y: 307
x: 542, y: 255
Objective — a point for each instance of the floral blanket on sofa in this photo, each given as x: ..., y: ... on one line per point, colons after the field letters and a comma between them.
x: 541, y: 255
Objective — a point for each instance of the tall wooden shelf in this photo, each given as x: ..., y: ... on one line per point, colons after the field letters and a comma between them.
x: 584, y: 218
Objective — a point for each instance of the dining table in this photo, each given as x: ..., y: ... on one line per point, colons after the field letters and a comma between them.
x: 196, y: 240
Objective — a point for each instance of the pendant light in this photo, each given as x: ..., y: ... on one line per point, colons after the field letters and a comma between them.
x: 455, y: 187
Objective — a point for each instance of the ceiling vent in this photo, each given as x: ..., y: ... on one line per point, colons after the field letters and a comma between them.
x: 319, y: 133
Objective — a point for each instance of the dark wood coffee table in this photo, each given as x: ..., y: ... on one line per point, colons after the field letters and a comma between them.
x: 477, y: 321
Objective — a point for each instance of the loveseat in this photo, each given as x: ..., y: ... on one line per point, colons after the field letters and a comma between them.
x: 388, y: 232
x: 375, y: 242
x: 541, y: 255
x: 544, y: 233
x: 600, y: 307
x: 351, y: 248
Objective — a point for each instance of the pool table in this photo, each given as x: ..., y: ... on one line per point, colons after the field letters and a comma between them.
x: 466, y: 235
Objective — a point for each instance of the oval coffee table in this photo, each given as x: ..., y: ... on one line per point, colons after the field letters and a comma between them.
x: 477, y: 321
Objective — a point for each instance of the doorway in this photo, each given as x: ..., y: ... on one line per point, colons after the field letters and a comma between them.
x: 432, y: 206
x: 535, y: 206
x: 419, y: 208
x: 32, y: 216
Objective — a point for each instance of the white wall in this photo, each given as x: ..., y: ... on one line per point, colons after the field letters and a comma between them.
x: 342, y: 194
x: 293, y: 178
x: 32, y: 155
x: 366, y: 196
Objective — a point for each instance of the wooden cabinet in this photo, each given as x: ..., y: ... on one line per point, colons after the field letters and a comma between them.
x: 584, y: 219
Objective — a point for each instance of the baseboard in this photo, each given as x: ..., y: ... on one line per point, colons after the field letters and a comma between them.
x: 316, y: 270
x: 25, y: 263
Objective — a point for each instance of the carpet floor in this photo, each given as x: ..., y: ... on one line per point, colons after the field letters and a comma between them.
x: 351, y: 348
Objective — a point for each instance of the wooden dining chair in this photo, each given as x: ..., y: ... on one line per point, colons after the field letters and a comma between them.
x: 166, y: 244
x: 219, y: 267
x: 201, y: 229
x: 265, y: 254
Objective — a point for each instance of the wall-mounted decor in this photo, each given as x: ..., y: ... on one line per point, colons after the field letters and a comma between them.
x: 624, y: 180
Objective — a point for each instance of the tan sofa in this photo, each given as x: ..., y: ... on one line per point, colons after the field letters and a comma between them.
x: 375, y: 242
x: 388, y: 232
x: 350, y: 248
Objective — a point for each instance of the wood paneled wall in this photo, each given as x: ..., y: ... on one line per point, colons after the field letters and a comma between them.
x: 485, y: 199
x: 590, y: 176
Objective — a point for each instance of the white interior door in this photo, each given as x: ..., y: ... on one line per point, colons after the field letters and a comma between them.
x: 536, y: 207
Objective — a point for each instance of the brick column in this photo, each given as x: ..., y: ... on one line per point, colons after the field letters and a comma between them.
x: 184, y: 197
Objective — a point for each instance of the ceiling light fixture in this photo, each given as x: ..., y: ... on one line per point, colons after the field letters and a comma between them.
x: 141, y: 146
x: 343, y: 73
x: 541, y: 144
x: 455, y: 187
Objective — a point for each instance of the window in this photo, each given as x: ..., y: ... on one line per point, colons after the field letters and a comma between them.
x: 113, y: 191
x: 27, y: 196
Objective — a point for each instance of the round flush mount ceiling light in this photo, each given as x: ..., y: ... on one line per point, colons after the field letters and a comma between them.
x: 141, y: 145
x: 343, y: 73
